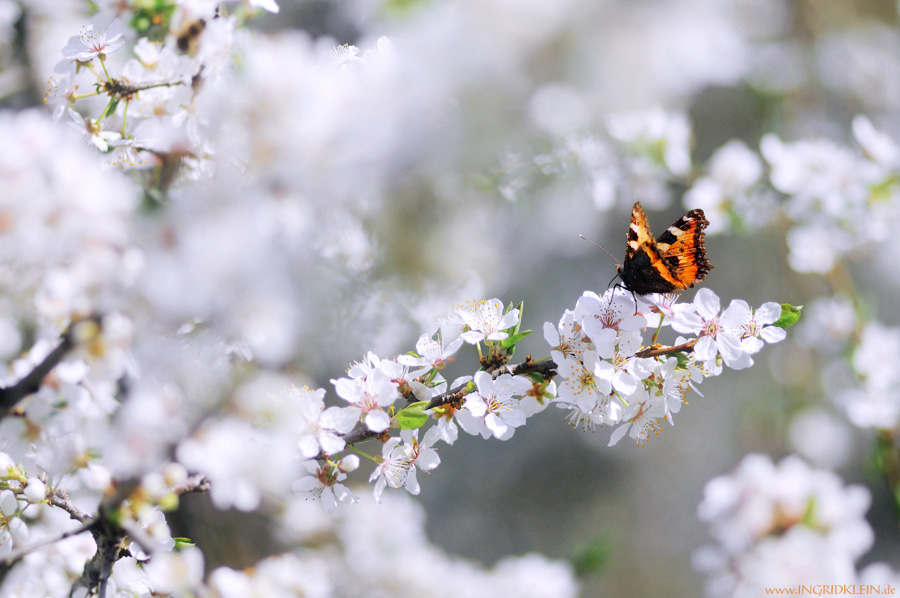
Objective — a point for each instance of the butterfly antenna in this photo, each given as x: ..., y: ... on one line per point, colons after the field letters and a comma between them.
x: 603, y: 250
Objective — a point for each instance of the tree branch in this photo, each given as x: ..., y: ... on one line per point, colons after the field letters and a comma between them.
x: 59, y: 498
x: 111, y: 536
x: 31, y: 383
x: 656, y: 351
x: 195, y: 483
x: 547, y: 369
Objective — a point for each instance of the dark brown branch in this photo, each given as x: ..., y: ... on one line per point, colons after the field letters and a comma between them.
x: 547, y: 368
x: 124, y: 89
x: 31, y: 383
x: 656, y: 351
x: 451, y: 396
x: 111, y: 539
x: 111, y: 546
x: 357, y: 435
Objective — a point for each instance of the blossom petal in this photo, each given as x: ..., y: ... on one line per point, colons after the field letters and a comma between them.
x: 618, y: 434
x: 773, y: 334
x: 705, y: 349
x: 309, y: 446
x: 707, y: 303
x: 768, y: 313
x: 736, y: 315
x: 377, y: 420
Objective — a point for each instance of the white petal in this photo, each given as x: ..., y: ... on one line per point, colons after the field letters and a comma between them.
x: 347, y: 389
x: 328, y: 501
x: 686, y: 320
x: 305, y: 484
x: 8, y: 502
x: 412, y: 484
x: 495, y: 425
x: 379, y: 489
x: 705, y: 349
x: 428, y: 459
x: 469, y: 423
x: 476, y: 404
x: 431, y: 436
x: 773, y: 334
x: 551, y: 334
x: 309, y: 446
x: 625, y: 382
x: 452, y: 348
x: 768, y: 313
x: 344, y: 494
x: 618, y: 434
x: 514, y: 418
x: 472, y: 336
x: 736, y: 315
x: 707, y: 303
x: 377, y: 421
x: 629, y: 343
x: 331, y: 443
x: 340, y: 419
x: 752, y: 344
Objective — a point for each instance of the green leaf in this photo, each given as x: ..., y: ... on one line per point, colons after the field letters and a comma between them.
x: 181, y: 543
x: 591, y: 557
x: 413, y: 416
x: 790, y: 314
x: 521, y: 308
x: 683, y: 361
x: 511, y: 340
x: 110, y: 109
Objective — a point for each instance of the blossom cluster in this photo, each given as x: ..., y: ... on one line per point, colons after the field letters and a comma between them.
x: 17, y: 496
x: 785, y: 524
x: 825, y: 190
x: 605, y: 376
x: 859, y: 376
x: 608, y: 378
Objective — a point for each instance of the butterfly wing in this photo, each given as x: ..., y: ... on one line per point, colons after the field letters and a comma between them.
x: 644, y: 269
x: 682, y: 249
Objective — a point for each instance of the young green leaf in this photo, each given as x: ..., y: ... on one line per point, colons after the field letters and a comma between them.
x: 790, y: 314
x: 413, y: 416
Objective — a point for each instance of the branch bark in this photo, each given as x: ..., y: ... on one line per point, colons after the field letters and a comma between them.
x: 31, y: 383
x: 657, y: 351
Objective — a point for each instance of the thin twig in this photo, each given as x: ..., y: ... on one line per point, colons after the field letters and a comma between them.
x: 657, y: 351
x: 123, y: 89
x: 59, y: 498
x: 14, y: 556
x: 195, y: 483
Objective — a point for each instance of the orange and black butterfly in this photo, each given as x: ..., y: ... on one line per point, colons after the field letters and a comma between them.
x: 672, y: 262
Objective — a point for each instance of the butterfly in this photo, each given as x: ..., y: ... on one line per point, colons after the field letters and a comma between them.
x: 672, y: 262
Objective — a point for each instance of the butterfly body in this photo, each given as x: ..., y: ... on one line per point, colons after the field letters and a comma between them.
x: 672, y: 262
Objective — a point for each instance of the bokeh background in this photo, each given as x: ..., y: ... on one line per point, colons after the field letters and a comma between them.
x: 467, y: 169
